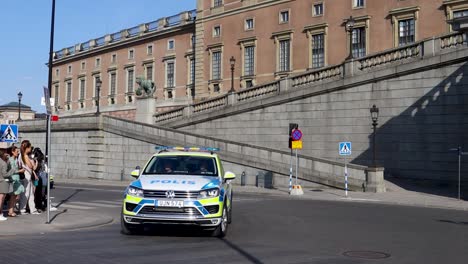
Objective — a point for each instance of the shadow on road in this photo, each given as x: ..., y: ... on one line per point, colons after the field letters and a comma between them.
x: 244, y: 253
x: 453, y: 222
x: 69, y: 197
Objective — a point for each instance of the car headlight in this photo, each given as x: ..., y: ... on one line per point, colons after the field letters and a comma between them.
x: 134, y: 191
x: 208, y: 193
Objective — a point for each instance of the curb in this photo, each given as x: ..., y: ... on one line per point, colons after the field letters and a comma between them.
x: 100, y: 222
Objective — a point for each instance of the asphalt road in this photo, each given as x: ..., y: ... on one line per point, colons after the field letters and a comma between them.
x: 265, y: 229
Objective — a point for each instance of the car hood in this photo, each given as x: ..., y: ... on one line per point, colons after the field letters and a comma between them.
x: 176, y: 182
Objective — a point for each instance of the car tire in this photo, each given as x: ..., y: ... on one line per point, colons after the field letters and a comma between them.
x: 222, y: 228
x: 230, y: 212
x: 129, y: 229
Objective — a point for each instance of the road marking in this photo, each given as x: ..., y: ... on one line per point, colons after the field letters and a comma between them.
x: 119, y: 202
x: 359, y: 199
x: 91, y: 189
x: 71, y: 206
x: 95, y: 204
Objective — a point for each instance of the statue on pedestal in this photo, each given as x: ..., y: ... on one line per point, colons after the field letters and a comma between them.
x: 146, y: 88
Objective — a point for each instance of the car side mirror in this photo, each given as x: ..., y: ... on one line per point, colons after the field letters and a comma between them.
x: 136, y: 172
x: 229, y: 176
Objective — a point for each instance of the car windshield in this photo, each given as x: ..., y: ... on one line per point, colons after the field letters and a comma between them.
x: 182, y: 165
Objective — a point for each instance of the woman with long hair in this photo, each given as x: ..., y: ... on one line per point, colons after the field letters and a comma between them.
x: 29, y: 165
x: 18, y: 187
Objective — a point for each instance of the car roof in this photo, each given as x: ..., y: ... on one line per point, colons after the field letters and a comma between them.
x: 186, y: 153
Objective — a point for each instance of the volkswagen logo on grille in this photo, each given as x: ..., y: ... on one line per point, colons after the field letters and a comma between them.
x: 170, y: 194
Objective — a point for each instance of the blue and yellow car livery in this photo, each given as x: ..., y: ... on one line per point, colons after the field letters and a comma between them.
x: 179, y: 186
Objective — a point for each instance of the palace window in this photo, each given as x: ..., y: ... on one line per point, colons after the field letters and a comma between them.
x: 284, y: 55
x: 284, y: 16
x: 358, y: 3
x: 406, y: 32
x: 318, y: 50
x: 170, y: 74
x: 216, y: 65
x: 249, y: 63
x: 359, y: 42
x: 318, y: 9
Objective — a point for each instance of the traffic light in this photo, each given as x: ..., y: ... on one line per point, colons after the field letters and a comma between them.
x: 292, y: 126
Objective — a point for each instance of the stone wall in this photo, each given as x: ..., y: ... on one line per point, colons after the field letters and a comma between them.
x: 109, y: 148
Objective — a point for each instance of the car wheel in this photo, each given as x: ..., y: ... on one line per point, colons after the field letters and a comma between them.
x: 230, y: 213
x: 129, y: 229
x: 221, y: 229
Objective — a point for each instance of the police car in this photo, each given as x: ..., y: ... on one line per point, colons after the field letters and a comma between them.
x: 179, y: 185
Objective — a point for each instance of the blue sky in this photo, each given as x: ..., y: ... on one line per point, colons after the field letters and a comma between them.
x: 24, y: 44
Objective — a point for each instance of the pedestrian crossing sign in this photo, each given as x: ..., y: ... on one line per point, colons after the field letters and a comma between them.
x: 345, y: 148
x: 9, y: 133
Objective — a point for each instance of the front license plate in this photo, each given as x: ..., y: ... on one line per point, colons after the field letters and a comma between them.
x: 170, y: 203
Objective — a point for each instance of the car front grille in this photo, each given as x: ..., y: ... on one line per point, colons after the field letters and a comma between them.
x: 178, y: 194
x: 151, y: 210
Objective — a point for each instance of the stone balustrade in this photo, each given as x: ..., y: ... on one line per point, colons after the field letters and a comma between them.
x: 258, y: 91
x: 390, y: 56
x: 169, y: 115
x: 316, y: 75
x: 210, y: 104
x: 453, y: 40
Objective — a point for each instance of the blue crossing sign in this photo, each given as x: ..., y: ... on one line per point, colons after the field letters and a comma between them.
x: 345, y: 148
x: 9, y: 133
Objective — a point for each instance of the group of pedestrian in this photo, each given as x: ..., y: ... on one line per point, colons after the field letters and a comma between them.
x: 21, y: 178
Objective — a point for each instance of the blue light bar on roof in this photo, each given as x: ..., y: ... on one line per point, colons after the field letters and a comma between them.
x: 208, y: 149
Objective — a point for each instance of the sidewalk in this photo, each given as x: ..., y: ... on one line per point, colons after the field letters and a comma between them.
x: 61, y: 220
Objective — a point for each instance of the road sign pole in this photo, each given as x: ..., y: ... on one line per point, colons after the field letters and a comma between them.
x: 48, y: 169
x: 290, y: 172
x: 296, y: 166
x: 459, y: 170
x: 346, y: 177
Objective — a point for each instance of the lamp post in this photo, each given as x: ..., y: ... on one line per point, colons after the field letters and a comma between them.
x: 232, y: 61
x: 20, y: 96
x: 349, y: 28
x: 375, y: 116
x: 98, y: 94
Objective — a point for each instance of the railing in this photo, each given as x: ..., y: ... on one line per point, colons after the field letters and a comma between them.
x: 85, y: 46
x: 116, y: 36
x: 152, y: 26
x: 71, y: 50
x: 100, y: 41
x: 258, y: 91
x: 453, y: 40
x: 173, y: 20
x: 393, y: 55
x: 169, y: 115
x: 132, y: 32
x: 210, y: 104
x: 316, y: 75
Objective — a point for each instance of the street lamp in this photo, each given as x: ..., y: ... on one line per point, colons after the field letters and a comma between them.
x: 20, y: 96
x: 98, y: 93
x: 349, y: 28
x: 375, y: 116
x: 232, y: 61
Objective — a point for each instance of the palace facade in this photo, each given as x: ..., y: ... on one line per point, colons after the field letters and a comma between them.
x: 192, y: 55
